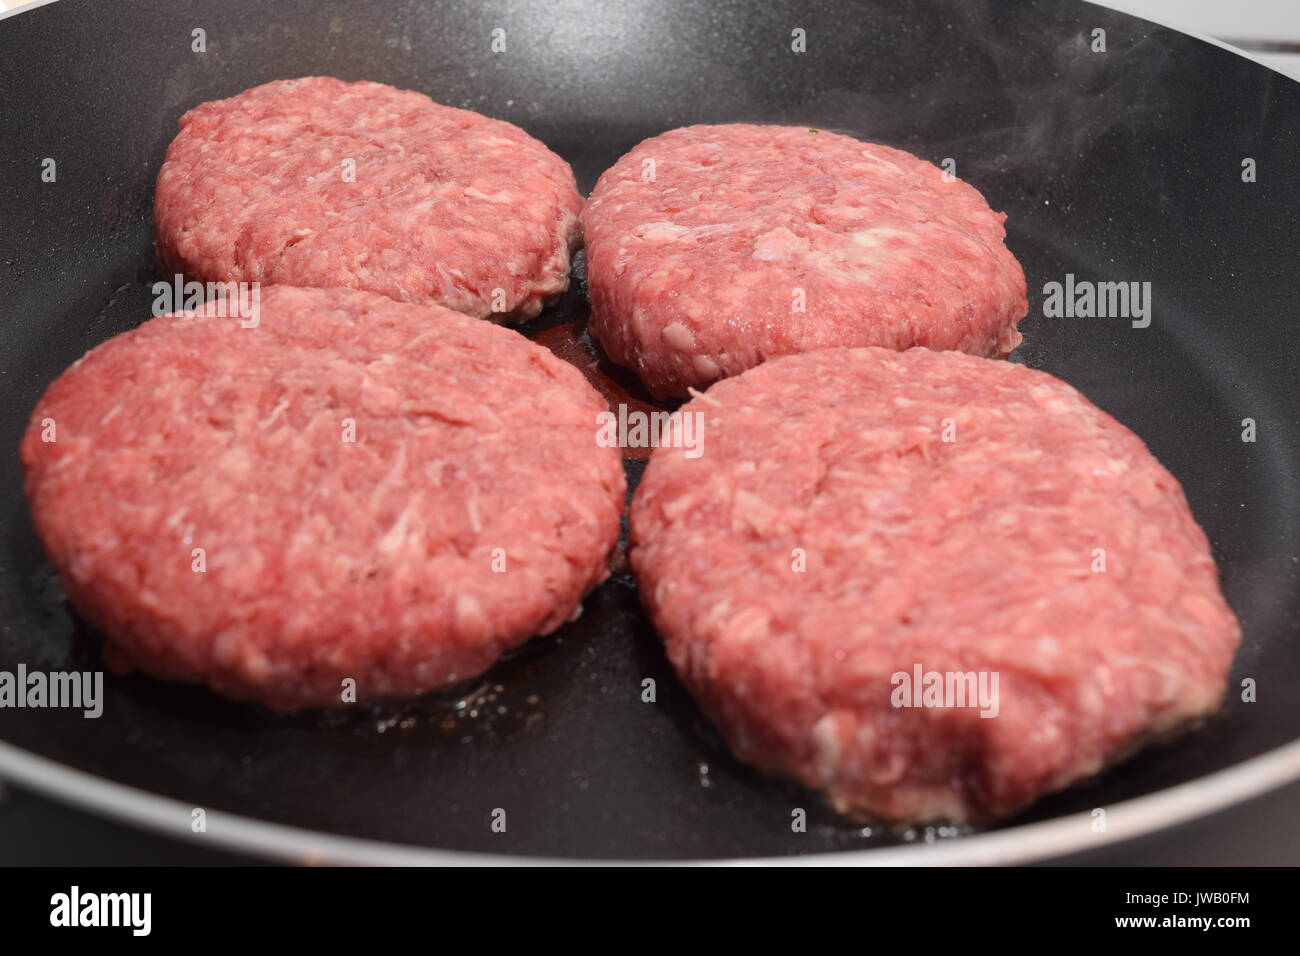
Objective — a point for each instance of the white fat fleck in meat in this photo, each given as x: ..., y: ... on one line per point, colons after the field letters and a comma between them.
x: 875, y: 237
x: 779, y: 243
x: 826, y: 747
x: 660, y: 231
x: 471, y: 509
x: 235, y: 463
x: 471, y: 619
x: 705, y: 367
x: 679, y: 337
x: 275, y: 413
x: 497, y: 197
x: 404, y: 532
x: 747, y: 627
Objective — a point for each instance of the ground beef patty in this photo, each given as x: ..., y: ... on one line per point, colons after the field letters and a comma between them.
x: 388, y: 492
x: 1042, y: 543
x: 317, y: 182
x: 711, y: 249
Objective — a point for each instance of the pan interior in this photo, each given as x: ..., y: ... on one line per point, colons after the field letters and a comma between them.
x: 1123, y: 165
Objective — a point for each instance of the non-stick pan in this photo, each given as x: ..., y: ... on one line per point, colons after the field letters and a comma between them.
x: 1129, y: 164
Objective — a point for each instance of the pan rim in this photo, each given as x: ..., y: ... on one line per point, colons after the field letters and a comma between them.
x: 1028, y: 843
x: 1194, y: 34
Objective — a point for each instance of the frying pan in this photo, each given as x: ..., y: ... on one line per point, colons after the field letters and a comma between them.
x: 1124, y: 165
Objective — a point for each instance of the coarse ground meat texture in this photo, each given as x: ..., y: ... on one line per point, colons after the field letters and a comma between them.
x: 386, y: 492
x: 965, y: 556
x: 711, y: 249
x: 318, y: 182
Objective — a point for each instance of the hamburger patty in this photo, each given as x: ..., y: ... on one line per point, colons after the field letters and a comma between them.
x: 711, y: 249
x: 317, y: 182
x: 864, y: 518
x: 355, y: 488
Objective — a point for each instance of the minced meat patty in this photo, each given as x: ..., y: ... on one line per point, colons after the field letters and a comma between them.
x: 354, y: 488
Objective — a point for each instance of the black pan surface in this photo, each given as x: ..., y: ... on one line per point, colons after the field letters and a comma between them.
x: 1124, y: 165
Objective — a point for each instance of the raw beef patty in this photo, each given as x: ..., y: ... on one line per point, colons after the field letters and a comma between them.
x: 862, y: 518
x: 356, y: 488
x: 711, y: 249
x: 317, y: 182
